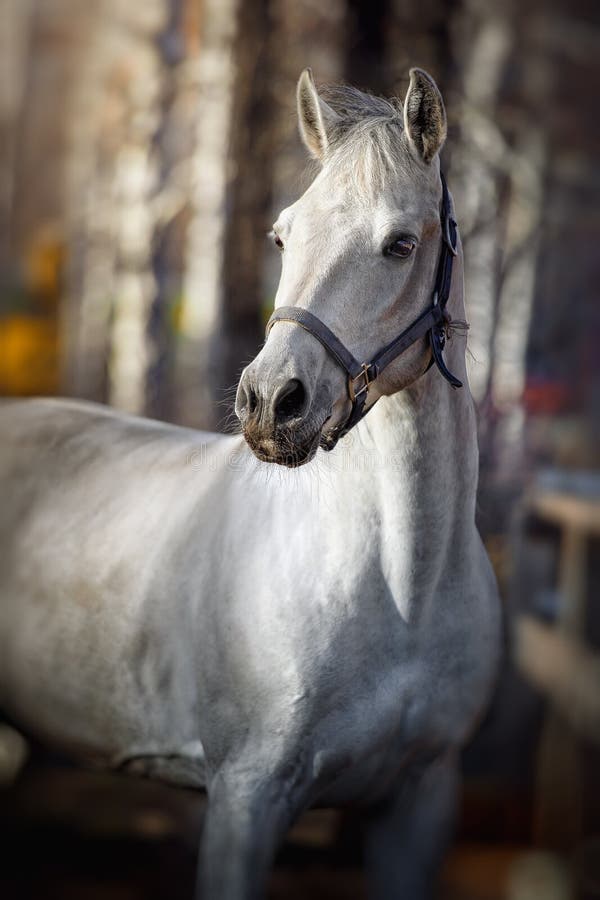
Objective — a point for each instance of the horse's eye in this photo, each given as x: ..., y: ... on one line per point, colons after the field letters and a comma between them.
x: 401, y: 247
x: 277, y: 240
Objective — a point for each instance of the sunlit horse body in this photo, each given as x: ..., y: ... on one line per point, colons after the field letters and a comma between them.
x: 322, y: 635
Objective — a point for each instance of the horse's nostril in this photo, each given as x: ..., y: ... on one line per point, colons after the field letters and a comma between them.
x: 252, y: 400
x: 291, y: 400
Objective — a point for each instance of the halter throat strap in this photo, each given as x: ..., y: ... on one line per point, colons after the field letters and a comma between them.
x: 432, y: 323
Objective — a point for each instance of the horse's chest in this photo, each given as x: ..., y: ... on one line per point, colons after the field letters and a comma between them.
x: 372, y: 706
x: 363, y: 738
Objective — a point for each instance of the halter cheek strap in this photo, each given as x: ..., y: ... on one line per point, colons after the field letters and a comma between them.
x: 432, y: 322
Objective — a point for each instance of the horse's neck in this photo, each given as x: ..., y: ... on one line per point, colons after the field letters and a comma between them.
x: 420, y: 485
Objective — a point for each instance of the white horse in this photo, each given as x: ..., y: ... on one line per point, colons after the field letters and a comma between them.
x: 326, y: 636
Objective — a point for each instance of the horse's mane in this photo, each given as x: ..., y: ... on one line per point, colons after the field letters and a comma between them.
x: 367, y: 137
x: 354, y: 106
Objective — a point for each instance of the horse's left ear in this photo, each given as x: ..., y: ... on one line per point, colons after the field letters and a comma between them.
x: 315, y: 117
x: 424, y: 116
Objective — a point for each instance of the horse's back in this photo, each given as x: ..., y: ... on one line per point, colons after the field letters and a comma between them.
x: 68, y: 467
x: 66, y: 432
x: 79, y: 480
x: 54, y: 447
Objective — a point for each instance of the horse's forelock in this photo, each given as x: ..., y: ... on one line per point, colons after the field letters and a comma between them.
x: 366, y: 140
x: 354, y: 105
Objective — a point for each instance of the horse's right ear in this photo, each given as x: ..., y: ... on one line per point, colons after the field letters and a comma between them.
x: 424, y: 116
x: 315, y: 117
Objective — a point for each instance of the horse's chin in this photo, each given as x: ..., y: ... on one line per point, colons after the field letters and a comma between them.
x: 282, y: 451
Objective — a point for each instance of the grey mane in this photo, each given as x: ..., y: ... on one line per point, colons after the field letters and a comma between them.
x: 355, y: 106
x: 367, y: 139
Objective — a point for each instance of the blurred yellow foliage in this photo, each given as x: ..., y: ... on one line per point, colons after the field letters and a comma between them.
x: 29, y: 357
x: 44, y: 263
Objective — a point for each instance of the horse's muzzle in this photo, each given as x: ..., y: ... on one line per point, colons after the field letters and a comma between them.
x: 285, y: 447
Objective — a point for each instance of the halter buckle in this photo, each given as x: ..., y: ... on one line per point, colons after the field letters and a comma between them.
x: 451, y: 228
x: 368, y: 373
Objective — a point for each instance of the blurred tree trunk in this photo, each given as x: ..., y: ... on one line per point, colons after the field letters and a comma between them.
x: 196, y: 383
x: 173, y: 146
x: 524, y: 175
x: 247, y: 197
x: 562, y: 349
x: 95, y: 116
x: 40, y: 124
x: 15, y: 36
x: 484, y: 43
x: 136, y: 185
x: 46, y: 46
x: 418, y: 34
x: 129, y: 179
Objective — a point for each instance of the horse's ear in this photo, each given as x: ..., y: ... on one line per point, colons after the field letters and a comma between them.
x: 424, y: 116
x: 315, y: 117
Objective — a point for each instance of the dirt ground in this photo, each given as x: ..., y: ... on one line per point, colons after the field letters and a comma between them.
x: 69, y: 834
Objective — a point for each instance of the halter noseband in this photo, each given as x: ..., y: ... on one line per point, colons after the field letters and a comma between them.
x: 432, y: 322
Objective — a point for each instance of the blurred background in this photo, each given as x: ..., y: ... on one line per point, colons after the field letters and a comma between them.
x: 145, y: 149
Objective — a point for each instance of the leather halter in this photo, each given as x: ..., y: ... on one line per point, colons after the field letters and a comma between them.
x: 433, y: 323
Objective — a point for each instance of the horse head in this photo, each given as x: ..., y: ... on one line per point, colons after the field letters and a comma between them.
x: 359, y: 253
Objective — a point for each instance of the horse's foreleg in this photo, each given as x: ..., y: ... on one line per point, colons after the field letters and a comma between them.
x: 246, y: 820
x: 408, y: 835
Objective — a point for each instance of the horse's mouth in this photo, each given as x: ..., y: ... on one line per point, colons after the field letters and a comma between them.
x: 282, y: 451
